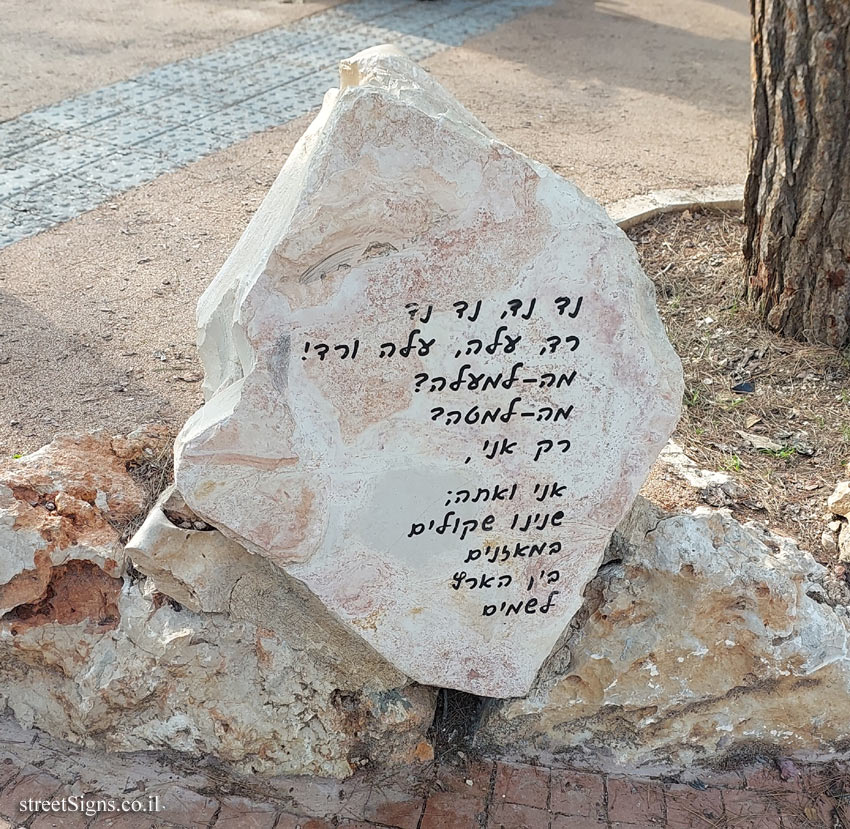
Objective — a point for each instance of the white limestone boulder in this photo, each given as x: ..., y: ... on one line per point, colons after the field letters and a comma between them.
x: 436, y: 379
x: 160, y: 677
x: 703, y: 641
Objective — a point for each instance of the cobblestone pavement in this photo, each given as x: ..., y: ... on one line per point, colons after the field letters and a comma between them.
x: 462, y: 795
x: 61, y: 160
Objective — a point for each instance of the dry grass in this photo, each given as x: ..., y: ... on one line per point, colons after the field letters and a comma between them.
x: 154, y: 473
x: 800, y: 395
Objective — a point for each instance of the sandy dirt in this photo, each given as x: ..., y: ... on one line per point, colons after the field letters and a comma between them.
x: 97, y: 315
x: 619, y: 96
x: 52, y: 50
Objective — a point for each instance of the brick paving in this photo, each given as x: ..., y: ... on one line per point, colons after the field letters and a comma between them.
x: 465, y: 795
x: 62, y: 160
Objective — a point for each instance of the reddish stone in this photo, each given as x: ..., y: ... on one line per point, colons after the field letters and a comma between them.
x: 690, y: 808
x: 634, y: 801
x: 525, y: 785
x: 183, y: 806
x: 296, y: 822
x: 400, y: 814
x: 577, y: 822
x: 803, y: 809
x: 578, y: 793
x: 61, y: 820
x: 8, y: 771
x: 655, y: 823
x: 721, y: 779
x: 768, y: 779
x: 35, y: 786
x: 125, y: 821
x: 447, y: 810
x: 516, y: 816
x: 242, y: 813
x: 290, y: 822
x: 74, y: 592
x: 471, y: 781
x: 750, y: 810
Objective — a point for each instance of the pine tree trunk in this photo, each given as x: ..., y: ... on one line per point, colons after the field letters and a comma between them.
x: 797, y: 198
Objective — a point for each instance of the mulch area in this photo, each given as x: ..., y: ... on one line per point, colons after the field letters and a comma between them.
x: 775, y: 413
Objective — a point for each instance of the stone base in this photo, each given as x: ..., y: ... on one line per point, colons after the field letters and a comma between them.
x: 701, y: 641
x: 182, y: 640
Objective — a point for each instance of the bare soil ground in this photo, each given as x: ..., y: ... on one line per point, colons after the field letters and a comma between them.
x: 773, y: 412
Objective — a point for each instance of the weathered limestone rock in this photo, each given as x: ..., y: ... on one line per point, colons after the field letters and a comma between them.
x: 436, y: 379
x: 843, y: 542
x: 839, y: 501
x: 169, y: 679
x: 703, y: 639
x: 198, y: 646
x: 60, y: 513
x: 198, y: 568
x: 718, y: 489
x: 207, y: 572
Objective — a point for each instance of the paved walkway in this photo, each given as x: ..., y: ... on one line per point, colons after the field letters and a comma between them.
x: 62, y: 160
x: 462, y: 794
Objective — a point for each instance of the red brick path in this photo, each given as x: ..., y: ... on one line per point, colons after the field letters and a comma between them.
x: 481, y: 795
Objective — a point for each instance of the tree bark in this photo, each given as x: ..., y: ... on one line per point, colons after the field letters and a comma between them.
x: 797, y: 197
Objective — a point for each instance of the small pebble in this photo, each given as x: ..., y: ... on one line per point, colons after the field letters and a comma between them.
x: 199, y: 525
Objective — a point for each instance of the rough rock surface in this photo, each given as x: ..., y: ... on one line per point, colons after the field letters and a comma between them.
x: 836, y: 537
x: 403, y: 252
x: 169, y: 679
x: 197, y: 647
x: 718, y: 489
x: 705, y: 640
x: 61, y: 513
x: 839, y: 501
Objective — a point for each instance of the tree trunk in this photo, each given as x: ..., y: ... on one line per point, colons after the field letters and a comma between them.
x: 797, y: 198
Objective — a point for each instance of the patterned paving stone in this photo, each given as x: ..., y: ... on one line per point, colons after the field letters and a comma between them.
x: 182, y: 145
x: 45, y: 202
x: 237, y: 122
x: 16, y: 225
x: 123, y: 170
x: 18, y: 135
x: 16, y: 176
x: 130, y: 132
x: 64, y: 154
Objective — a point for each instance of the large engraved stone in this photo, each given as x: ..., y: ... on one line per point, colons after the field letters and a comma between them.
x: 436, y: 379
